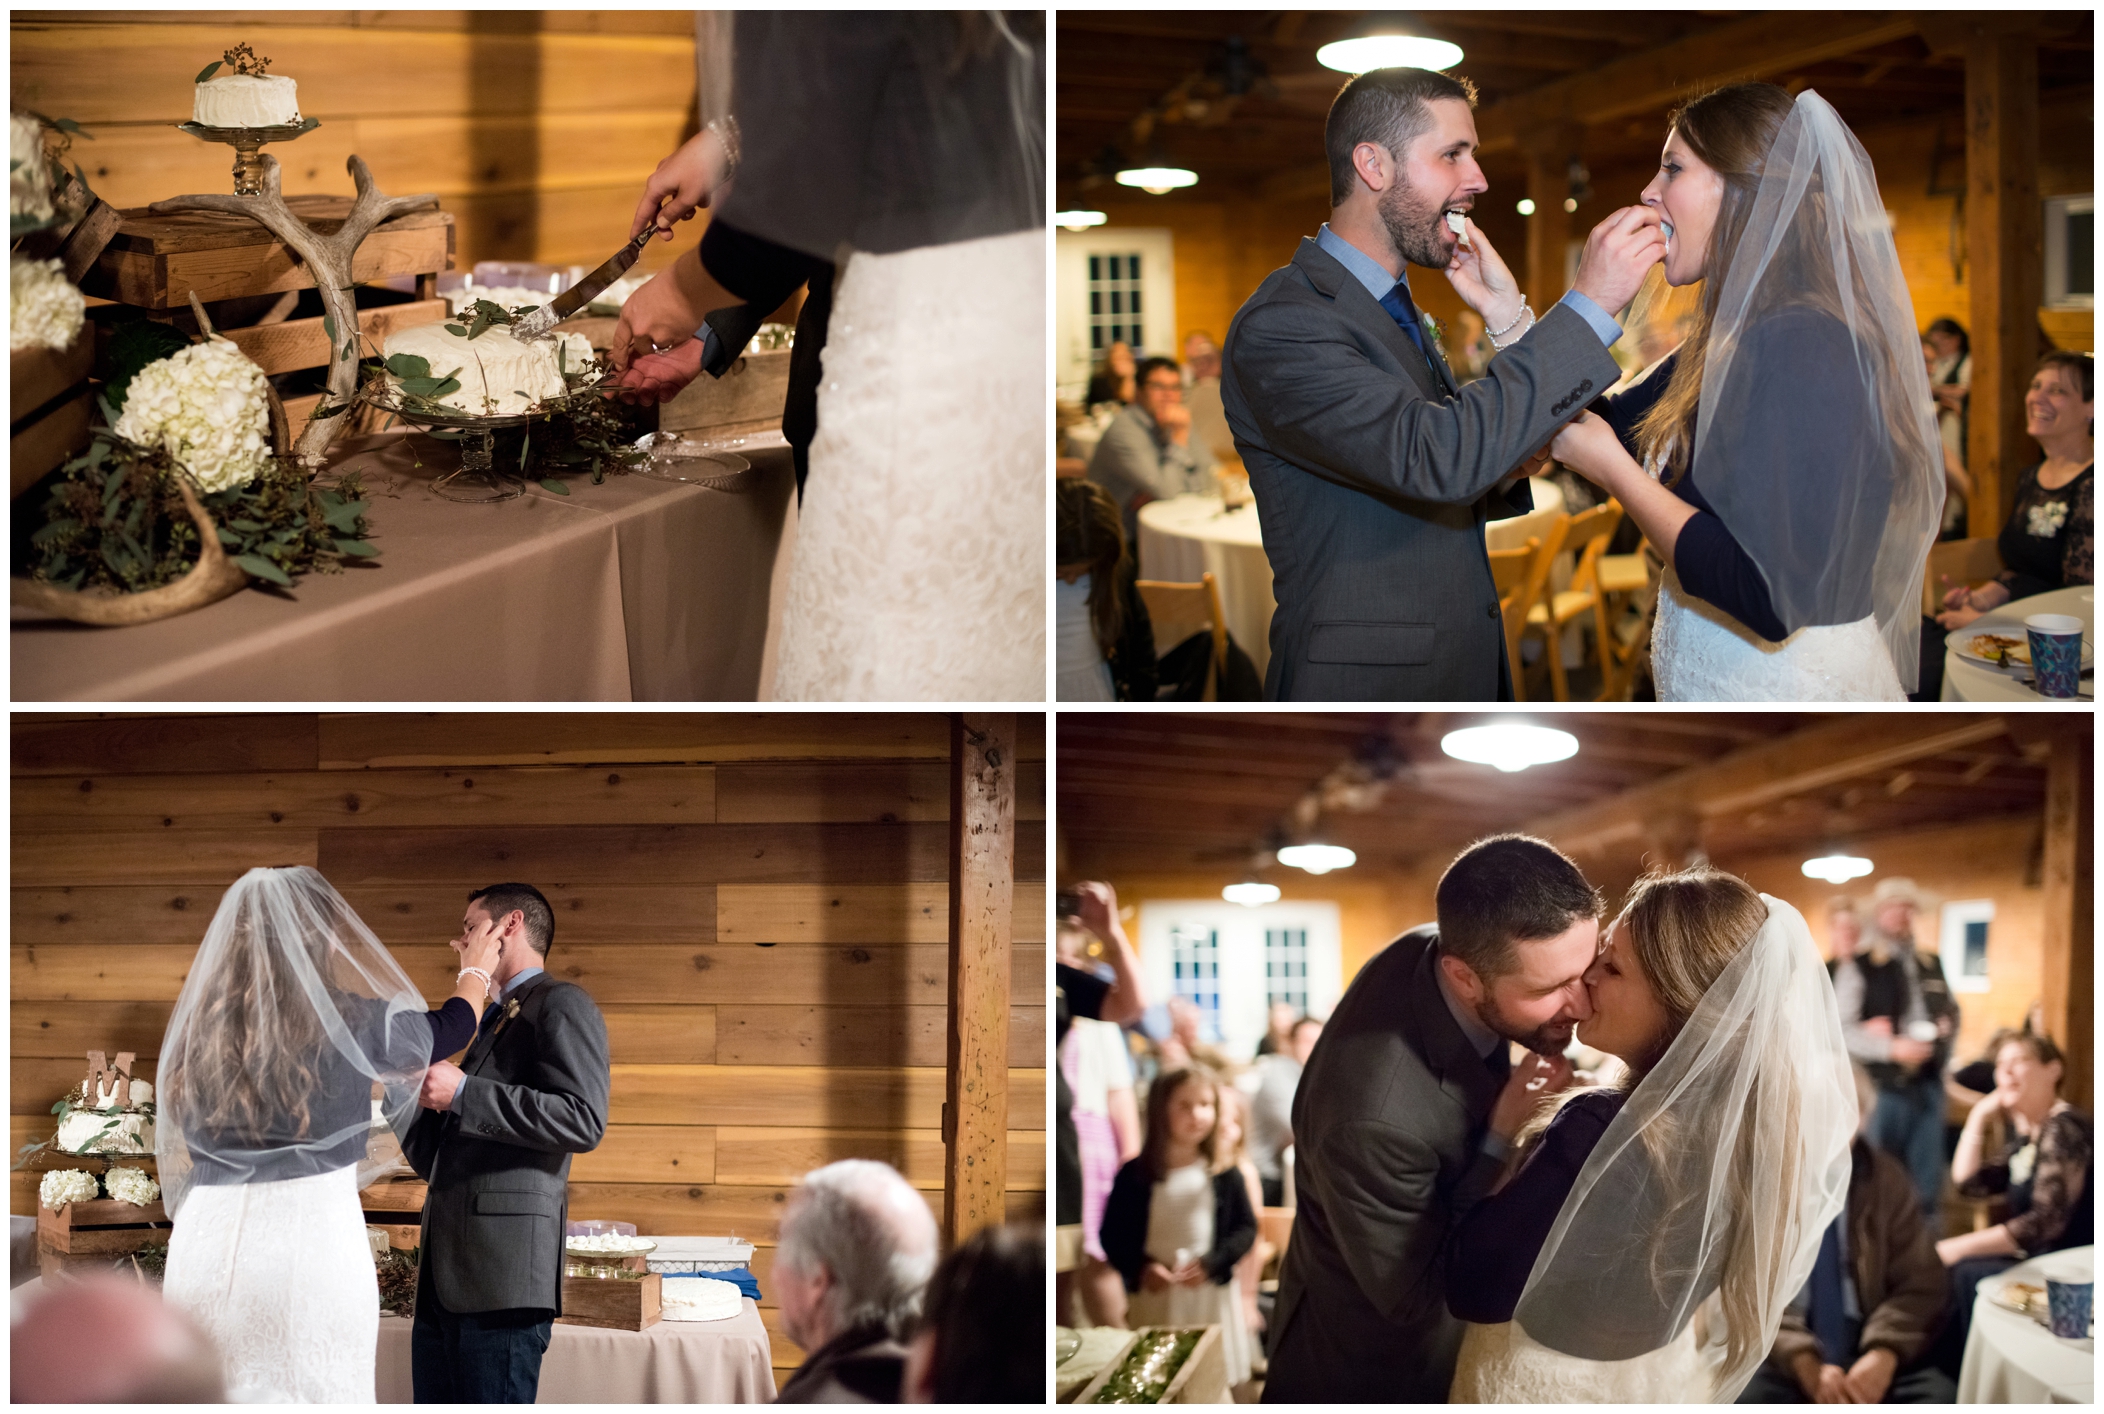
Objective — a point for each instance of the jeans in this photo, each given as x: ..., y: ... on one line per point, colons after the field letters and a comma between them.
x: 479, y: 1357
x: 1926, y: 1385
x: 1908, y: 1124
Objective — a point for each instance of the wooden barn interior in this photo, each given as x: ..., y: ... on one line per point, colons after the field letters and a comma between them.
x: 760, y: 905
x: 1973, y: 119
x: 1976, y: 808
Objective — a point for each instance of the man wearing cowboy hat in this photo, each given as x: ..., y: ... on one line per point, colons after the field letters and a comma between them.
x: 1898, y: 1017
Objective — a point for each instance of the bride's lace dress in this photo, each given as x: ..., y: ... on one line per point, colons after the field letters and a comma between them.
x: 1699, y: 653
x: 919, y: 570
x: 1501, y: 1365
x: 280, y: 1277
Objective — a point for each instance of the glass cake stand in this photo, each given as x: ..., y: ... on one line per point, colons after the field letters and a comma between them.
x: 477, y: 480
x: 607, y: 1266
x: 247, y: 142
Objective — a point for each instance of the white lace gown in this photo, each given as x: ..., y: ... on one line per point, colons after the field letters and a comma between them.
x: 280, y: 1277
x: 1501, y: 1365
x: 1699, y: 653
x: 920, y: 562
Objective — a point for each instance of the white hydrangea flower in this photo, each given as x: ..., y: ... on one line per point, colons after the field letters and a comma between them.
x: 141, y: 1093
x: 47, y: 311
x: 130, y: 1185
x: 29, y: 177
x: 2046, y: 518
x: 63, y: 1186
x: 209, y: 406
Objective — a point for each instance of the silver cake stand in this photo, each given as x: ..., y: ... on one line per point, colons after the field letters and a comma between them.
x: 247, y: 142
x: 477, y: 480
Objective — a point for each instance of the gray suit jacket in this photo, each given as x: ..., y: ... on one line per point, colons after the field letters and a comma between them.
x: 1388, y: 1127
x: 499, y: 1170
x: 1373, y: 475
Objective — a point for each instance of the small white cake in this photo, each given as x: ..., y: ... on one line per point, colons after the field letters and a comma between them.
x: 246, y: 101
x: 699, y: 1299
x: 89, y: 1132
x: 609, y: 1244
x: 499, y: 376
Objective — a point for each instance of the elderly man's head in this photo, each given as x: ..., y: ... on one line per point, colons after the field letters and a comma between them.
x: 104, y: 1340
x: 857, y: 1248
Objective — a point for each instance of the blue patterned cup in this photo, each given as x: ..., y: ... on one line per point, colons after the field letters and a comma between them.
x: 2068, y: 1304
x: 2056, y: 653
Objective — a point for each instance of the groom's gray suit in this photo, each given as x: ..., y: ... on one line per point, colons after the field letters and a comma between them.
x: 1374, y: 473
x: 1388, y: 1129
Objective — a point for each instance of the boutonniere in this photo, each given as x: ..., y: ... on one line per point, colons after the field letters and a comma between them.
x: 2047, y: 517
x: 511, y: 1009
x: 1435, y: 330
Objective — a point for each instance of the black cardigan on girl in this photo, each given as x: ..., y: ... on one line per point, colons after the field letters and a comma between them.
x: 1125, y: 1224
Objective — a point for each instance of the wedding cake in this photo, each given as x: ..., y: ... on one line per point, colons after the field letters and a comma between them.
x: 684, y: 1298
x: 498, y: 375
x: 109, y: 1112
x: 246, y: 98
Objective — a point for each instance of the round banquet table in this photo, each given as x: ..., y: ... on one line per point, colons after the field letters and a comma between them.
x: 674, y: 1362
x: 1185, y: 536
x: 1967, y: 681
x: 2012, y: 1359
x: 635, y: 589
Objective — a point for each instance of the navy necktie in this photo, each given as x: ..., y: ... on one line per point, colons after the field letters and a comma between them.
x: 1828, y: 1313
x: 1404, y: 312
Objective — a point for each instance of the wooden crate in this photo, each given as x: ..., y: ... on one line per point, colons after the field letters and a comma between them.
x: 96, y: 1233
x: 747, y: 398
x: 397, y: 1205
x: 50, y: 403
x: 612, y: 1303
x: 1201, y: 1380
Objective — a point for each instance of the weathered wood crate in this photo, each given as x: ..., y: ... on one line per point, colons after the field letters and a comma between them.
x: 1201, y: 1380
x: 97, y: 1233
x: 396, y: 1204
x: 747, y: 398
x: 50, y: 408
x: 612, y: 1303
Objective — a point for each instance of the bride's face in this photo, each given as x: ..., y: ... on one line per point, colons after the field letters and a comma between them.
x: 1686, y: 194
x: 1627, y: 1019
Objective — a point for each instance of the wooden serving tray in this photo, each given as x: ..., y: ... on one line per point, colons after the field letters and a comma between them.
x: 1201, y: 1380
x: 612, y: 1304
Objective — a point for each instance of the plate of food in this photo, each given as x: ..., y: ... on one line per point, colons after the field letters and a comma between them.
x: 2003, y: 645
x: 2024, y: 1297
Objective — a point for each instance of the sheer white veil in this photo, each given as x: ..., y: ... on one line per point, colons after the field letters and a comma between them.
x: 292, y: 1015
x: 1727, y: 1162
x: 1817, y: 240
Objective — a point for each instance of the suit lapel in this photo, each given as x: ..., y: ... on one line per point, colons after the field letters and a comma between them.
x: 1330, y: 278
x: 493, y: 1023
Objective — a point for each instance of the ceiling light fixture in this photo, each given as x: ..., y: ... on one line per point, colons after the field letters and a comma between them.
x: 1837, y: 868
x: 1250, y: 893
x: 1509, y: 747
x: 1078, y: 220
x: 1317, y: 858
x: 1388, y: 51
x: 1526, y: 207
x: 1157, y: 180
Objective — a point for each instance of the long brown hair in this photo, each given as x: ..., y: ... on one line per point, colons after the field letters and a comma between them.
x: 220, y: 1072
x: 1089, y: 531
x: 1731, y: 130
x: 1153, y: 1153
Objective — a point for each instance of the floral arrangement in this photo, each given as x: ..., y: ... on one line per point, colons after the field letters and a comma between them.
x: 130, y: 1185
x: 397, y: 1277
x: 62, y: 1186
x: 242, y: 58
x: 28, y: 174
x: 46, y: 310
x: 208, y: 407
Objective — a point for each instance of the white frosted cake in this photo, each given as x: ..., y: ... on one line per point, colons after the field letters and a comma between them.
x: 114, y: 1123
x: 699, y: 1299
x: 498, y: 375
x: 246, y: 101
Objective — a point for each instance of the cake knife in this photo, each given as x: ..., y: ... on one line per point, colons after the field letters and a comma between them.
x: 532, y: 326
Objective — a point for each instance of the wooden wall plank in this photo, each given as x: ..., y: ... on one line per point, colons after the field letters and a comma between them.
x: 672, y: 22
x: 516, y: 795
x: 202, y: 744
x: 167, y: 857
x: 799, y: 1096
x: 519, y: 738
x: 36, y: 1083
x: 662, y: 1035
x: 723, y: 1210
x: 856, y: 913
x: 656, y: 1153
x: 72, y: 1029
x: 783, y: 1154
x: 826, y: 1035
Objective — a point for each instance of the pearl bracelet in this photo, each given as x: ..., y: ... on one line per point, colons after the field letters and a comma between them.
x: 1526, y: 313
x: 726, y: 130
x: 476, y: 972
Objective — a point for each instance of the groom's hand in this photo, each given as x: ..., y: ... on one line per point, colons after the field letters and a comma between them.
x: 1484, y: 281
x: 441, y: 1083
x: 1618, y: 255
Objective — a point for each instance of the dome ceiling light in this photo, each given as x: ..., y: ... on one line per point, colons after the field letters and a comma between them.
x: 1388, y: 51
x: 1509, y: 746
x: 1317, y: 858
x: 1251, y: 894
x: 1157, y: 180
x: 1078, y: 220
x: 1837, y: 868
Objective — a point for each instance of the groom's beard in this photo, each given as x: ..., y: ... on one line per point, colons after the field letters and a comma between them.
x: 1548, y: 1039
x: 1414, y: 226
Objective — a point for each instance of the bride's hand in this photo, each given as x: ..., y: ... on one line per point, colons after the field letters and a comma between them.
x: 1588, y: 446
x: 682, y: 184
x: 1483, y: 280
x: 1533, y: 1080
x: 480, y: 950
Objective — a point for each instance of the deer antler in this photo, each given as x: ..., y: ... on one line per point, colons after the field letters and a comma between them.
x: 330, y: 260
x: 214, y: 578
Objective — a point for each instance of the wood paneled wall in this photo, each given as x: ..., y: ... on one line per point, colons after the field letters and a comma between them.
x: 536, y: 128
x: 758, y: 903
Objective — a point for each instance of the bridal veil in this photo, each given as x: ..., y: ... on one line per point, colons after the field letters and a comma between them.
x: 291, y: 1014
x: 1706, y: 1198
x: 1817, y: 239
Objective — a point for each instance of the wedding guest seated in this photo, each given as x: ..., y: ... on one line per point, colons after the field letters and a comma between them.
x: 1179, y: 1219
x: 1859, y: 1332
x: 1271, y: 1124
x: 1105, y: 639
x: 857, y: 1247
x: 1112, y: 382
x: 1209, y: 430
x: 2049, y: 541
x: 2041, y: 1168
x: 1146, y: 454
x: 110, y: 1340
x: 1184, y: 1047
x: 982, y: 1327
x: 1201, y: 358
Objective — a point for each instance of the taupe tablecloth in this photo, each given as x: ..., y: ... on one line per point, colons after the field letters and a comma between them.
x: 636, y: 589
x: 674, y: 1362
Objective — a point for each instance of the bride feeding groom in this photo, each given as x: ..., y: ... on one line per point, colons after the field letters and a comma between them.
x: 1799, y: 398
x: 1473, y: 1230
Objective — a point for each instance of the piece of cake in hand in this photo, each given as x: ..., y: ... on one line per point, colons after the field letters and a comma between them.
x: 499, y: 376
x: 248, y: 97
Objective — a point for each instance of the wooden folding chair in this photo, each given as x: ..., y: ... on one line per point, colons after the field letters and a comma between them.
x: 1511, y: 571
x: 1517, y: 605
x: 1626, y: 580
x: 1586, y: 533
x: 1967, y: 562
x: 1189, y: 608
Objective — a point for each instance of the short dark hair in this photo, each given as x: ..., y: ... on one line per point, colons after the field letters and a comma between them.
x: 1505, y: 890
x: 497, y: 900
x: 2079, y: 364
x: 1951, y: 327
x: 1150, y: 366
x: 1386, y: 106
x: 985, y: 1304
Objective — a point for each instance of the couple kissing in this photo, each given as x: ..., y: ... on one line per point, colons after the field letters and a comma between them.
x: 1474, y: 1230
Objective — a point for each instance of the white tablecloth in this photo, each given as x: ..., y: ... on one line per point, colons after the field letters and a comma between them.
x: 1965, y: 681
x: 1185, y: 536
x: 2012, y: 1359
